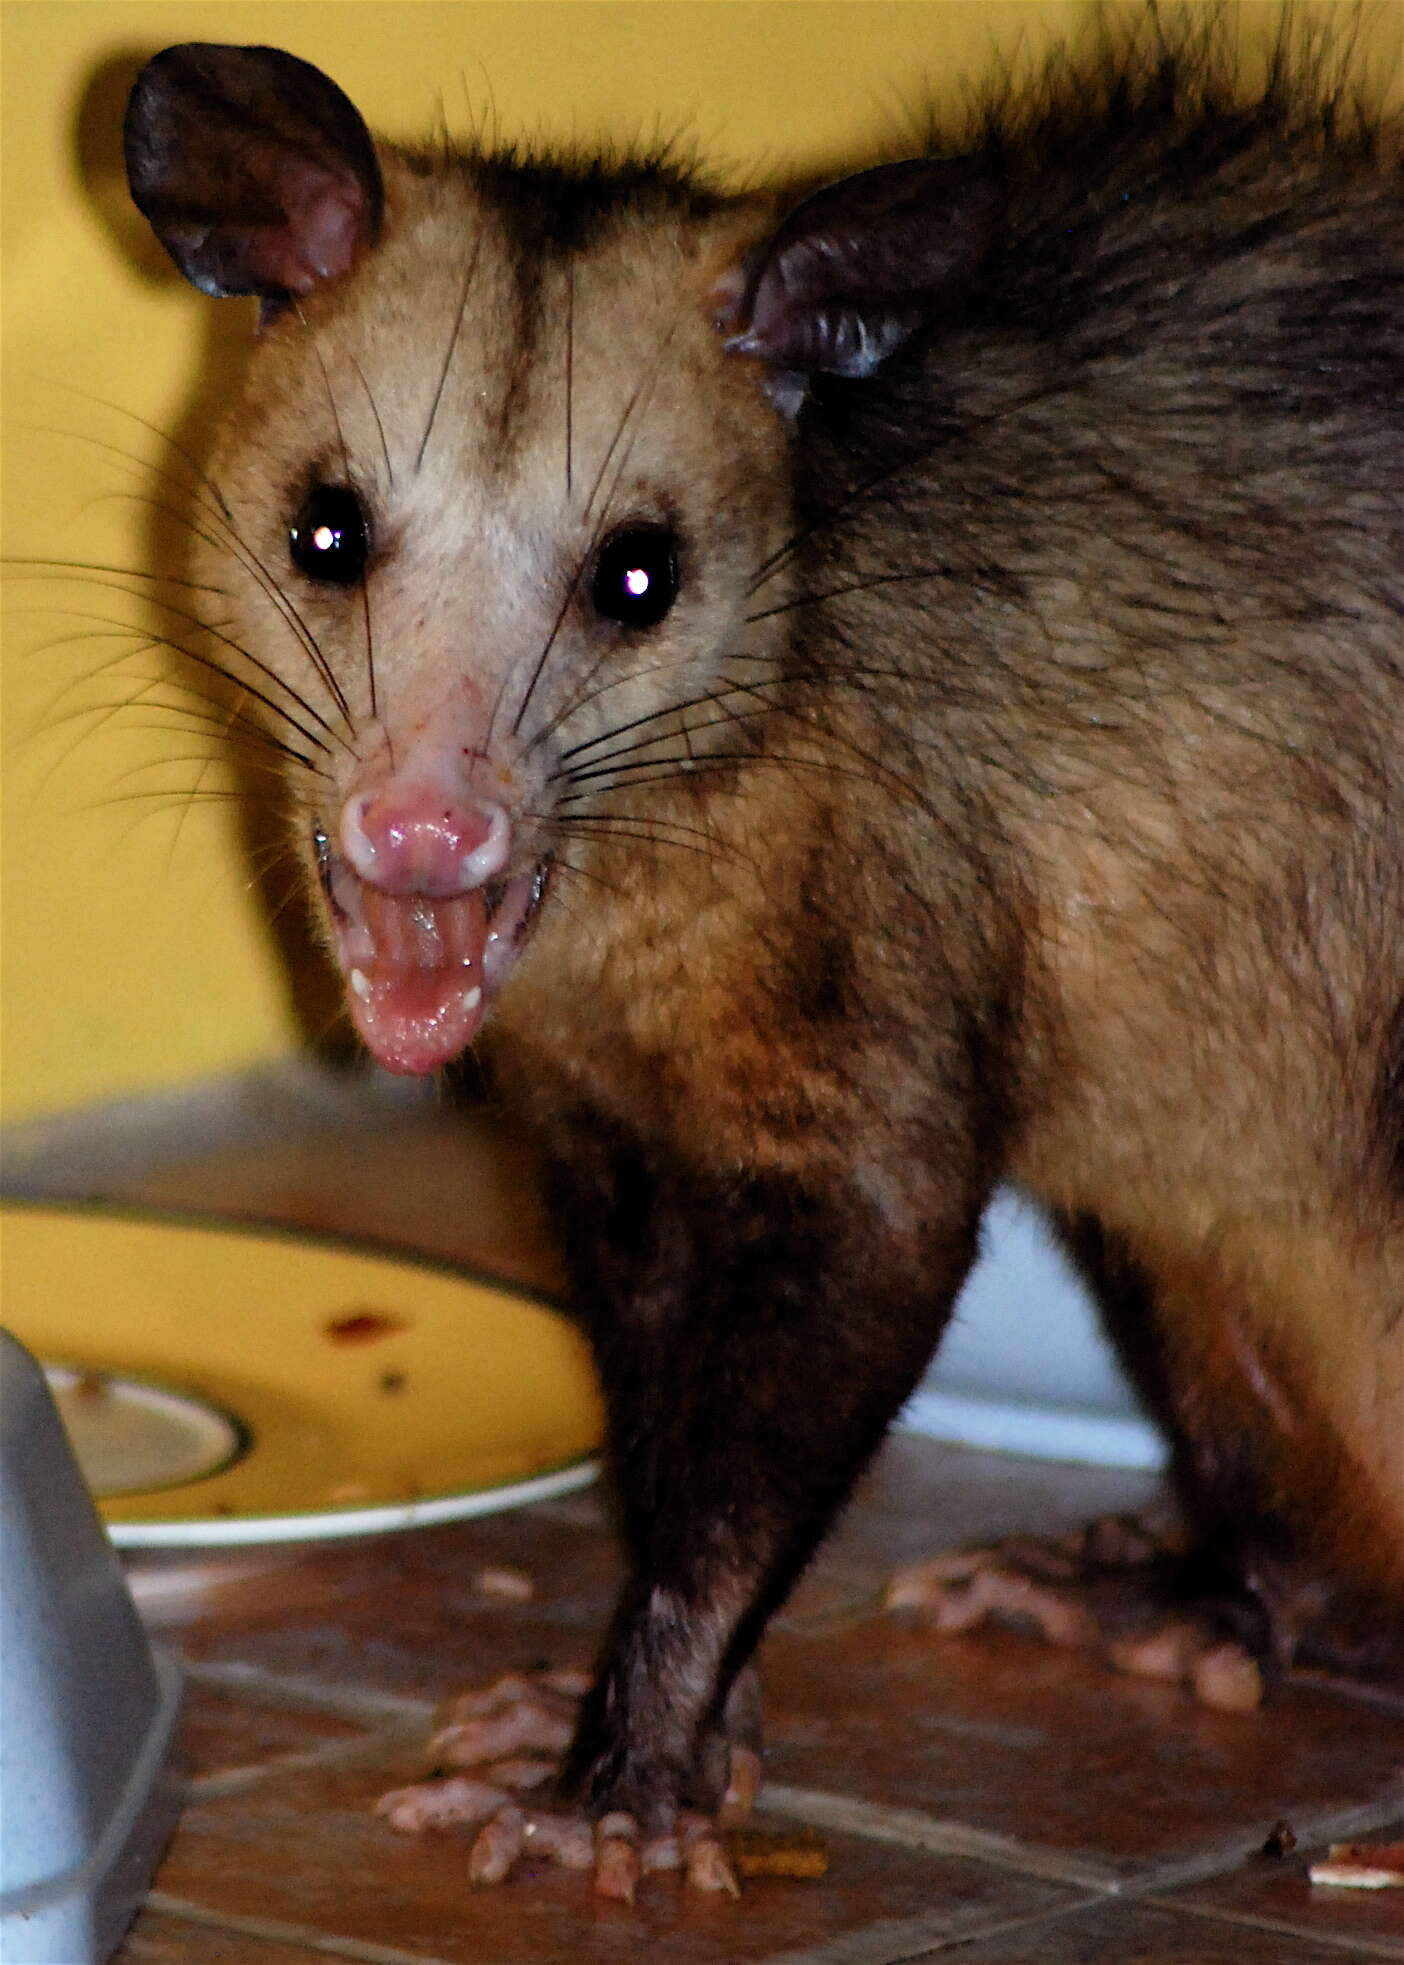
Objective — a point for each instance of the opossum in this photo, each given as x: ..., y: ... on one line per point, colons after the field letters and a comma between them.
x: 876, y: 691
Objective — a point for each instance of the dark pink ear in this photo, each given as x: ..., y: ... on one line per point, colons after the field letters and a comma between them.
x: 852, y: 271
x: 255, y: 171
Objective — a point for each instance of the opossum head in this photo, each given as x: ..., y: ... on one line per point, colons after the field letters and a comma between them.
x: 500, y: 518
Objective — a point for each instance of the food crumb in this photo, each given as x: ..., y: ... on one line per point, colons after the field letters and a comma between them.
x: 1362, y: 1866
x: 769, y: 1852
x: 512, y: 1584
x: 1281, y: 1840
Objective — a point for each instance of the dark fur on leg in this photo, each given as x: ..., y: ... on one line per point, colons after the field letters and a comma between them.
x: 743, y: 1400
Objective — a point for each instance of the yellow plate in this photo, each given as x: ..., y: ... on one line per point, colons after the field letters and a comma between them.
x: 235, y: 1385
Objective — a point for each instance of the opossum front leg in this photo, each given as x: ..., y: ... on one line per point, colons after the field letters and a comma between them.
x: 768, y: 1338
x: 755, y: 1337
x: 512, y: 1735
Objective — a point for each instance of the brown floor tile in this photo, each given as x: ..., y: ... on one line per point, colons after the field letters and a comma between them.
x: 406, y: 1615
x: 221, y: 1734
x: 1010, y: 1736
x: 227, y: 1591
x: 1066, y: 1763
x: 921, y: 1496
x: 1279, y: 1891
x: 1143, y: 1934
x: 355, y: 1878
x: 158, y: 1938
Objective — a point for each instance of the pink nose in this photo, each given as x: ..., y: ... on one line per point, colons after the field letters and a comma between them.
x: 411, y: 842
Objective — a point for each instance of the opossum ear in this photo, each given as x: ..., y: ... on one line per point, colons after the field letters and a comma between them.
x: 852, y: 271
x: 256, y: 173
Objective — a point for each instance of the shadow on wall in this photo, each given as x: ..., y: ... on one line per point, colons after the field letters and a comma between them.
x: 181, y: 498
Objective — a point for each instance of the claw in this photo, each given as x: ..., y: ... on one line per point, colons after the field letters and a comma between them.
x: 520, y: 1774
x: 617, y: 1865
x: 1222, y: 1673
x: 505, y: 1691
x: 1105, y: 1587
x: 492, y: 1736
x: 432, y: 1804
x: 497, y: 1846
x: 483, y: 1730
x: 569, y: 1680
x: 914, y: 1587
x: 954, y: 1597
x: 1228, y: 1678
x: 707, y: 1863
x: 569, y: 1839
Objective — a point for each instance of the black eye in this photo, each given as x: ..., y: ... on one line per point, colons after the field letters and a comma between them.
x: 635, y: 580
x: 330, y: 537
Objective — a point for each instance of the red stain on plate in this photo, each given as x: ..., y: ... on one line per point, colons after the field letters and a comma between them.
x: 364, y: 1326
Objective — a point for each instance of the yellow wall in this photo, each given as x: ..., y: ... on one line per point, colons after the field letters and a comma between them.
x: 134, y: 953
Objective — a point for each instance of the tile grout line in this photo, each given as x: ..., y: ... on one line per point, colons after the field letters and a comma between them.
x: 1333, y: 1825
x: 276, y: 1930
x: 362, y: 1747
x: 912, y: 1829
x: 908, y: 1940
x: 909, y: 1828
x: 293, y: 1691
x: 1352, y: 1942
x: 1355, y: 1691
x: 891, y: 1941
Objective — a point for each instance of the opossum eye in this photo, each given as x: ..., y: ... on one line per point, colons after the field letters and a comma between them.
x: 635, y: 580
x: 330, y: 537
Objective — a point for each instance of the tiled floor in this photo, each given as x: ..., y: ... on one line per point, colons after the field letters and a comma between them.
x: 981, y: 1797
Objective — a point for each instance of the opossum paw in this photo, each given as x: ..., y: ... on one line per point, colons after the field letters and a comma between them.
x: 1116, y: 1587
x: 515, y: 1732
x: 615, y: 1847
x: 510, y: 1725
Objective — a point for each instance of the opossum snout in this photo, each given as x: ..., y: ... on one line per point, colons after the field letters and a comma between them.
x: 426, y: 916
x: 416, y: 843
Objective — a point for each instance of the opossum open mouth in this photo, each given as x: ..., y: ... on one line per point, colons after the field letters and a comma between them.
x: 421, y: 969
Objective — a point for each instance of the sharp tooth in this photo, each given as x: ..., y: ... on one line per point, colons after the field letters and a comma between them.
x: 360, y: 984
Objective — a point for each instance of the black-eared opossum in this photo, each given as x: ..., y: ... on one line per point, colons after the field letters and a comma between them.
x: 874, y: 700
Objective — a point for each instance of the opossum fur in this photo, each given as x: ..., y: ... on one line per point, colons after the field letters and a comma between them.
x: 1010, y: 786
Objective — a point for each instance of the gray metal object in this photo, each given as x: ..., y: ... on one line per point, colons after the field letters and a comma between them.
x: 87, y: 1708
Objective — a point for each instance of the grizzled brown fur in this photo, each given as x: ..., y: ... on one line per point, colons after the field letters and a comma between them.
x: 1016, y: 789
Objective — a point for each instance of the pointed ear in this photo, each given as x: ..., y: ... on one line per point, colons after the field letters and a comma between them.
x: 255, y: 172
x: 852, y: 271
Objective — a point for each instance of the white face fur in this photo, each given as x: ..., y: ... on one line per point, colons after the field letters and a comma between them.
x: 507, y: 491
x: 503, y: 510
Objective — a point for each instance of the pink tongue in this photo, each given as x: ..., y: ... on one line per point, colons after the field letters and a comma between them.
x: 419, y: 1001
